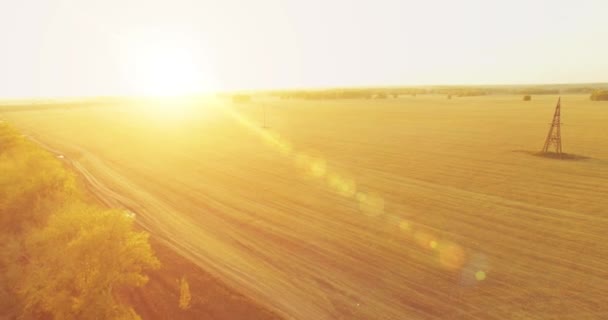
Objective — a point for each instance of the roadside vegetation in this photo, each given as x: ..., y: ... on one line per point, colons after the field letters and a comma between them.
x: 599, y: 95
x: 61, y: 257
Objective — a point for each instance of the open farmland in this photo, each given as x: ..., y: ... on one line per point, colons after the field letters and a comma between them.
x: 409, y: 208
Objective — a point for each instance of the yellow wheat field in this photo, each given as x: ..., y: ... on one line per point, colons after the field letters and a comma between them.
x: 410, y: 208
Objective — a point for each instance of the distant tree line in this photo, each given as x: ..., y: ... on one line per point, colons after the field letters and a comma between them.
x: 577, y: 90
x: 459, y: 91
x: 377, y: 93
x: 61, y: 257
x: 599, y: 95
x: 333, y: 94
x: 529, y: 91
x: 398, y: 92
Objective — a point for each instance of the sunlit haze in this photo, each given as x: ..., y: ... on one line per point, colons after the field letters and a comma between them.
x: 116, y: 47
x: 304, y: 159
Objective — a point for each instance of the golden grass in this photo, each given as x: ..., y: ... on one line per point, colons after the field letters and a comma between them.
x: 387, y: 209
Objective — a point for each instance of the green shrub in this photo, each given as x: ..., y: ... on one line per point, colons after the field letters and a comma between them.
x: 59, y: 256
x: 599, y: 95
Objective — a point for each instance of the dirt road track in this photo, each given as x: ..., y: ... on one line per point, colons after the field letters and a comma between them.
x: 145, y: 218
x: 233, y: 261
x: 158, y: 299
x: 226, y: 256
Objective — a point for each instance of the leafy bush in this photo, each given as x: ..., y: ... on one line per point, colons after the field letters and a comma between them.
x: 59, y: 256
x: 599, y: 95
x: 100, y: 252
x: 32, y: 185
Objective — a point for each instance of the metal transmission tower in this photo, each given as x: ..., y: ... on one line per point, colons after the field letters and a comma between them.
x: 554, y: 138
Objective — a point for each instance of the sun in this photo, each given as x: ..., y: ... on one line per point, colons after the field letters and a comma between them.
x: 159, y: 68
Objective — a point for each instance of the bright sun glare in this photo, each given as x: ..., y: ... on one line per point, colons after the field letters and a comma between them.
x: 160, y: 68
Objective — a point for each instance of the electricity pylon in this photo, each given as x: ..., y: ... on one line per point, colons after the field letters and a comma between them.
x: 554, y: 138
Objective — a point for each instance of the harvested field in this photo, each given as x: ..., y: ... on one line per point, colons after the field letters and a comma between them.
x: 410, y: 208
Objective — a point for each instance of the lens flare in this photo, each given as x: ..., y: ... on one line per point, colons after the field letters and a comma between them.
x: 451, y: 256
x: 423, y: 239
x: 370, y: 204
x: 405, y: 225
x: 317, y: 167
x: 343, y: 186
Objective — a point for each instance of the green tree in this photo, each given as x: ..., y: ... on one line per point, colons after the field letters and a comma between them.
x: 599, y: 95
x: 10, y: 274
x: 79, y: 259
x: 32, y: 184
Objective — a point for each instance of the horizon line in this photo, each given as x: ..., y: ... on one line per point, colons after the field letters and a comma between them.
x: 295, y: 88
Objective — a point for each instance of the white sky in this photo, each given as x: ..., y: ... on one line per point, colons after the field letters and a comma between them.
x: 106, y: 47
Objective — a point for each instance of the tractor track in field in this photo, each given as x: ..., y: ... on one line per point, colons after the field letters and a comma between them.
x: 116, y: 191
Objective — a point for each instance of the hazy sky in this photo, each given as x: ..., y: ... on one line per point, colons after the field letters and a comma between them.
x: 86, y: 47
